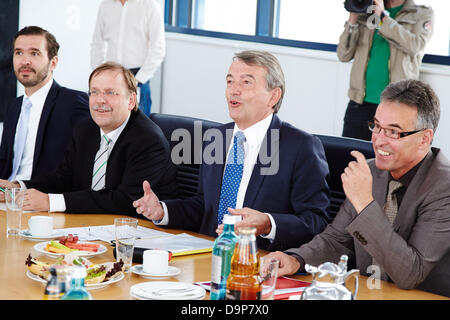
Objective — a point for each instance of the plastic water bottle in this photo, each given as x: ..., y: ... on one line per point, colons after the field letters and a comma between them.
x: 221, y: 257
x: 77, y: 290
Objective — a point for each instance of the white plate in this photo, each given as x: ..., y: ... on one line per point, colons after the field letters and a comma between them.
x: 92, y: 286
x: 148, y: 291
x: 40, y: 247
x: 27, y: 235
x: 171, y: 272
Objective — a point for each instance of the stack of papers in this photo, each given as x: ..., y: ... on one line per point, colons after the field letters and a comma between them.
x: 107, y: 233
x: 179, y: 244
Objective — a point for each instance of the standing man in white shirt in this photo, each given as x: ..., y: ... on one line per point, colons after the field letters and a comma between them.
x: 38, y: 125
x: 131, y: 32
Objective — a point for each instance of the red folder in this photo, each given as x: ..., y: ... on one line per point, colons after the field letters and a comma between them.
x: 287, y: 287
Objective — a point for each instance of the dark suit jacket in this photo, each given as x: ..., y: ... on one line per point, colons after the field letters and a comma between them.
x: 296, y: 196
x: 140, y: 153
x: 415, y: 250
x: 63, y: 109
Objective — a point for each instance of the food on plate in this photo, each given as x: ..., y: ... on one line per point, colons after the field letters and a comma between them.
x: 68, y: 244
x: 71, y: 241
x: 113, y: 269
x: 96, y: 273
x: 40, y: 268
x: 56, y: 247
x: 73, y: 259
x: 69, y: 238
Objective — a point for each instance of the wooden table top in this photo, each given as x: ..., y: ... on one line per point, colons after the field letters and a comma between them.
x: 16, y: 285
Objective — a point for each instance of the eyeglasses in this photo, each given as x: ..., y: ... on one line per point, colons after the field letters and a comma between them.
x: 106, y: 94
x: 388, y: 132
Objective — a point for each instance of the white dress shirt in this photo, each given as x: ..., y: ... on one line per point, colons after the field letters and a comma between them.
x: 37, y: 104
x: 132, y: 35
x: 254, y: 137
x: 57, y: 202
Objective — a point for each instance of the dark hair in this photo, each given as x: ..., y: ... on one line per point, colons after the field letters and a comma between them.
x: 418, y: 94
x: 130, y: 80
x: 52, y: 44
x: 275, y: 75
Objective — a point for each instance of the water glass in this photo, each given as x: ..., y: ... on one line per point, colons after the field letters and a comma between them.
x: 14, y: 204
x: 125, y: 229
x: 268, y: 272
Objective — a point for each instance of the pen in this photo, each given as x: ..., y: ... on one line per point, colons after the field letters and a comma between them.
x: 3, y: 190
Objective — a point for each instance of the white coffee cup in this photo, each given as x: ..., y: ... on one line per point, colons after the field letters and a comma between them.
x: 155, y: 261
x: 40, y: 226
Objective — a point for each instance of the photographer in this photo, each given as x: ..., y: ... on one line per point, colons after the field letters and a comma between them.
x: 387, y: 44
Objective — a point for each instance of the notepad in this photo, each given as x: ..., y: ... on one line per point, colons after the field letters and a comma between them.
x: 178, y: 244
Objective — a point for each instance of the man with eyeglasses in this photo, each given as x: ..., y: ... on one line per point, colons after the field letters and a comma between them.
x: 395, y: 222
x: 109, y: 155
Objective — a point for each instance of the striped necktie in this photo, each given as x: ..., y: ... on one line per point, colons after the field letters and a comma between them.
x: 101, y: 160
x: 232, y: 176
x: 21, y: 137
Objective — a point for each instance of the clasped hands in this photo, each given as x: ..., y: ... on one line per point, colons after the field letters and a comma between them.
x: 33, y: 200
x: 150, y: 207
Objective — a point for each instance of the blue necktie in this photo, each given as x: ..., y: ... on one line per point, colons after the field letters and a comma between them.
x: 232, y: 177
x: 21, y: 137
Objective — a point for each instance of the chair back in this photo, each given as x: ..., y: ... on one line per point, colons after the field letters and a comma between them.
x: 191, y: 128
x: 337, y: 152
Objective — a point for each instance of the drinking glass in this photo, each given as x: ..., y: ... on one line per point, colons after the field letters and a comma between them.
x: 125, y: 229
x: 268, y: 272
x: 14, y: 204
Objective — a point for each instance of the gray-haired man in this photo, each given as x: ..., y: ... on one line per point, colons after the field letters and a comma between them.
x: 402, y: 235
x: 288, y: 206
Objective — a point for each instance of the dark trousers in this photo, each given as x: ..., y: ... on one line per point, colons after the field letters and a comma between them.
x: 356, y: 118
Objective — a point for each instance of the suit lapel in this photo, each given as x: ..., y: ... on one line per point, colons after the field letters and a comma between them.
x: 404, y: 219
x: 379, y: 183
x: 257, y: 179
x: 49, y: 104
x: 90, y: 148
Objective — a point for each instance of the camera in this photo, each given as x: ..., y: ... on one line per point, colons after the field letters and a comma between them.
x: 359, y: 6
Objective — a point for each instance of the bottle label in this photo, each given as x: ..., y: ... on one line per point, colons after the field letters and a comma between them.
x: 216, y: 270
x: 53, y: 292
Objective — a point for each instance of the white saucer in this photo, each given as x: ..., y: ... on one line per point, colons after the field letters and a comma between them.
x: 27, y: 235
x: 159, y: 290
x: 171, y: 272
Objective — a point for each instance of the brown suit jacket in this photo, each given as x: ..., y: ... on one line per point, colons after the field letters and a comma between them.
x: 415, y: 250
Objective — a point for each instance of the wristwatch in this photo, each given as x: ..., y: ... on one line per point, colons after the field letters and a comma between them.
x: 383, y: 14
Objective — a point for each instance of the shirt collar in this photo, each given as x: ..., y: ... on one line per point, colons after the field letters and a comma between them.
x: 39, y: 95
x: 114, y: 135
x: 406, y: 179
x: 254, y: 135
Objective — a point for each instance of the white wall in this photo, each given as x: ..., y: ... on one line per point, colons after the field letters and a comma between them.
x: 72, y: 23
x: 192, y: 79
x: 316, y: 84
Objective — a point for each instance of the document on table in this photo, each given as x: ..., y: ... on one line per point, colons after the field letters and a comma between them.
x: 179, y: 244
x: 107, y: 233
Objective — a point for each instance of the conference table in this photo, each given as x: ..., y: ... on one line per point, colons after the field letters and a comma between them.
x: 15, y: 285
